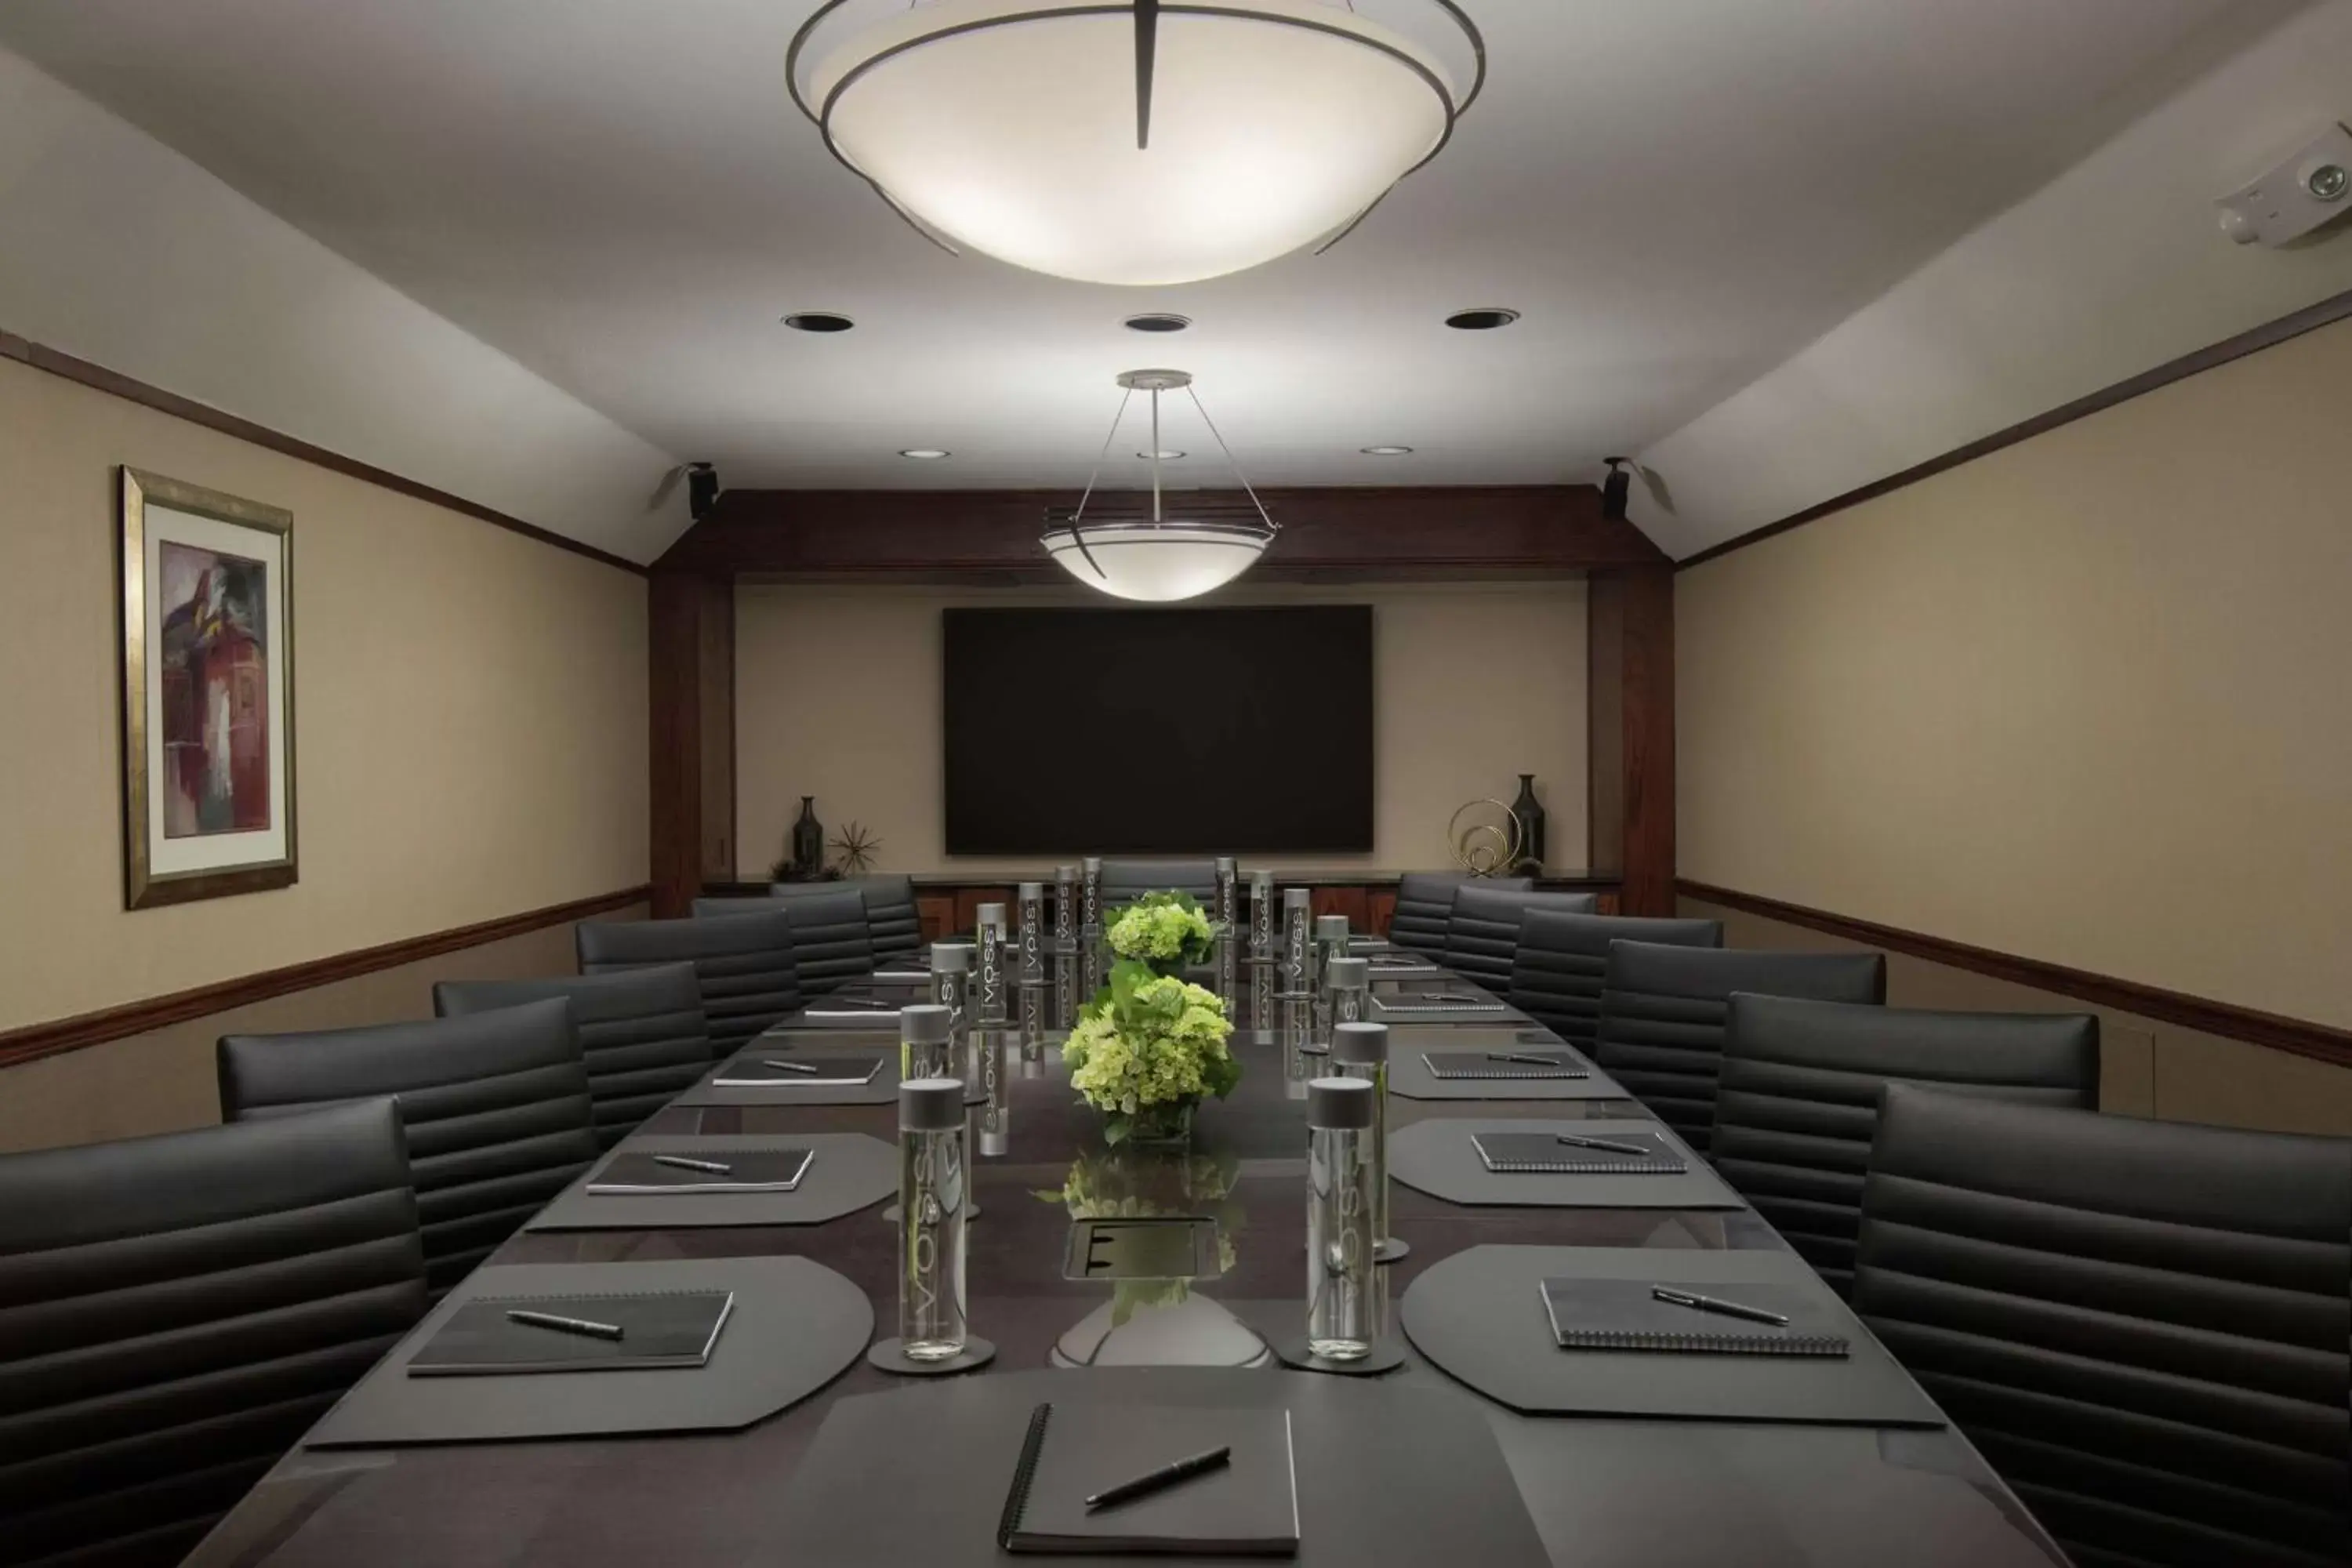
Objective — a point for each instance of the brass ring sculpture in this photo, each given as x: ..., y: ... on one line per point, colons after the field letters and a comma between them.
x: 1485, y: 847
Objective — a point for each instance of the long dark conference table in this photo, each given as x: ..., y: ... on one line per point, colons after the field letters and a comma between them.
x: 1598, y: 1492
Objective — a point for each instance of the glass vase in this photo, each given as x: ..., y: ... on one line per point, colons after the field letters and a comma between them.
x: 1168, y: 1125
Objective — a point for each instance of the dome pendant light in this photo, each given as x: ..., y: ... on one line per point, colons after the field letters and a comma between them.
x: 1165, y: 559
x: 1134, y: 142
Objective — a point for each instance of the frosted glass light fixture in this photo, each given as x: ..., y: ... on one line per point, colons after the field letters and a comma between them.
x: 1136, y: 142
x: 1162, y: 559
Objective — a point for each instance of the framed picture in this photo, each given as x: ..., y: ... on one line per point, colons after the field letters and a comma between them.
x: 207, y: 693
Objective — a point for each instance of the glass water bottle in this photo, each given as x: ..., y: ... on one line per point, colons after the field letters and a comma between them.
x: 934, y: 1160
x: 1342, y: 1284
x: 1361, y: 1052
x: 1065, y: 908
x: 1228, y: 908
x: 1298, y: 947
x: 1031, y: 896
x: 1261, y: 914
x: 988, y: 1007
x: 1090, y: 894
x: 926, y: 1043
x: 951, y: 983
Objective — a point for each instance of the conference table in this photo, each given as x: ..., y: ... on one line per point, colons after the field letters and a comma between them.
x: 1598, y: 1492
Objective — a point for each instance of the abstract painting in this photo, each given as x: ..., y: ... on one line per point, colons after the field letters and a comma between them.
x: 209, y: 754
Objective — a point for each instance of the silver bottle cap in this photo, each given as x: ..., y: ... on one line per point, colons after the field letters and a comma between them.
x: 1029, y: 890
x: 951, y: 958
x: 1336, y: 1103
x: 1350, y: 973
x: 991, y: 917
x: 1359, y: 1045
x: 1262, y: 880
x: 932, y: 1105
x: 1327, y: 927
x: 1297, y: 898
x: 1065, y: 873
x: 1094, y: 865
x: 923, y: 1024
x: 1224, y: 865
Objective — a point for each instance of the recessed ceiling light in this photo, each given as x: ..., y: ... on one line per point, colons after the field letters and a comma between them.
x: 1483, y: 319
x: 1165, y: 455
x: 1385, y: 451
x: 1158, y: 321
x: 818, y: 321
x: 924, y: 454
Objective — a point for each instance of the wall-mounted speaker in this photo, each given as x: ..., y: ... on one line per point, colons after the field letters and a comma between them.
x: 1617, y: 489
x: 702, y: 490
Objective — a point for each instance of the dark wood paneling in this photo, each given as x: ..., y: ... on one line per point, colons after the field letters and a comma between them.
x: 113, y: 383
x: 47, y: 1039
x: 1629, y: 704
x: 969, y: 900
x: 1342, y: 899
x: 990, y: 536
x: 2302, y: 1038
x: 1380, y: 909
x: 690, y: 655
x: 937, y: 911
x: 2267, y: 335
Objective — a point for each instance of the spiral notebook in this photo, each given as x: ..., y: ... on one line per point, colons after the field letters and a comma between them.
x: 1543, y: 1154
x: 1247, y: 1509
x: 661, y: 1331
x: 1448, y: 1067
x: 1622, y: 1315
x: 747, y: 1170
x: 1406, y: 1002
x: 754, y: 1072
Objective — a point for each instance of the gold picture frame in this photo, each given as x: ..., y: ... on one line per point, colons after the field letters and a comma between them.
x: 208, y: 626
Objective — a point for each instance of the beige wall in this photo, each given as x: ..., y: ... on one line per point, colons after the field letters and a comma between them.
x: 837, y: 695
x: 470, y: 720
x: 164, y: 1080
x: 2147, y: 1067
x: 2087, y: 699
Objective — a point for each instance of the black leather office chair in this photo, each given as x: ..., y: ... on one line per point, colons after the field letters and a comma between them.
x: 2141, y: 1324
x: 175, y: 1311
x: 1425, y: 903
x: 746, y: 965
x: 642, y: 1033
x: 495, y: 1106
x: 1482, y: 930
x: 1124, y: 881
x: 1561, y: 960
x: 1797, y: 1100
x: 1663, y: 1009
x: 893, y: 924
x: 832, y: 941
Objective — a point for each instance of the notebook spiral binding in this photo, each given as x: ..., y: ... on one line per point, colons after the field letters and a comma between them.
x: 1016, y: 1501
x: 1733, y: 1344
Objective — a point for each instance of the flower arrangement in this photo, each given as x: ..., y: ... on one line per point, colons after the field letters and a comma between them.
x: 1163, y: 931
x: 1145, y: 1051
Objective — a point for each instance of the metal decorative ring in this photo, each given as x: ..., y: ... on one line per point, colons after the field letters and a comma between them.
x: 1486, y: 849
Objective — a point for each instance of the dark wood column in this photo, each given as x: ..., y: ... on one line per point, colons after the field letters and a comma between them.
x: 1630, y: 708
x: 690, y: 635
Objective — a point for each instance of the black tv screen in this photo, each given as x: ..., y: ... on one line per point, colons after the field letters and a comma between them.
x: 1136, y: 731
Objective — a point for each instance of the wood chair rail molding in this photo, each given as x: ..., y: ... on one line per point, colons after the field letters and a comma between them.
x: 35, y: 1040
x: 2319, y: 1041
x: 1353, y: 533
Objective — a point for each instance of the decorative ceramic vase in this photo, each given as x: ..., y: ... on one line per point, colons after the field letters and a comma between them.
x: 1530, y: 812
x: 808, y: 840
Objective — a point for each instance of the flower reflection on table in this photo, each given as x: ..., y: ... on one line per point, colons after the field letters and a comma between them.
x: 1158, y: 1321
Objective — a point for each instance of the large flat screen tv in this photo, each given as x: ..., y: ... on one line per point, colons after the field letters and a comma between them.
x: 1246, y: 731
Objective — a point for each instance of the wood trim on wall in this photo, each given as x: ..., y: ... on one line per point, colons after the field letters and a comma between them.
x: 1630, y: 740
x: 36, y: 1040
x: 2268, y: 335
x: 2319, y: 1041
x: 690, y: 672
x: 114, y: 383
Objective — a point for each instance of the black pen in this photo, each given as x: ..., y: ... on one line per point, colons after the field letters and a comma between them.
x: 1165, y: 1475
x: 680, y: 1162
x: 1712, y: 1304
x: 1610, y: 1144
x: 787, y: 1067
x: 1525, y: 1061
x: 563, y: 1325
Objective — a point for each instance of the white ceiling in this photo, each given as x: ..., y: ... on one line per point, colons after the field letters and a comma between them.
x: 1678, y: 193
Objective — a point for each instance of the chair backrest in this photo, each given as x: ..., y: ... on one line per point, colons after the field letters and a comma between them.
x: 642, y: 1033
x: 175, y: 1311
x: 745, y: 964
x: 1797, y: 1100
x: 495, y: 1106
x: 2140, y: 1324
x: 832, y: 943
x: 893, y: 922
x: 1481, y: 929
x: 1124, y: 881
x: 1561, y: 960
x: 1662, y: 1008
x: 1425, y: 902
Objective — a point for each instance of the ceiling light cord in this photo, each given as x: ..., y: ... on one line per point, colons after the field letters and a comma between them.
x: 1232, y: 461
x: 1078, y: 531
